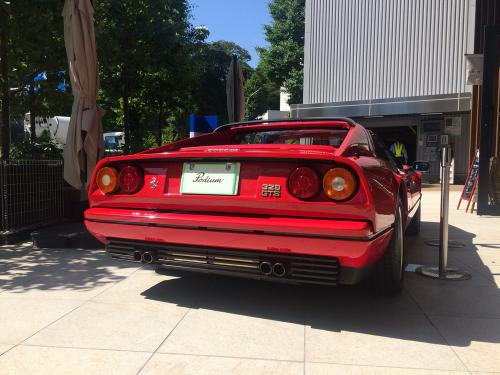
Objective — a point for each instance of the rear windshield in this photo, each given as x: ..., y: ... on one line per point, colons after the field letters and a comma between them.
x: 324, y: 137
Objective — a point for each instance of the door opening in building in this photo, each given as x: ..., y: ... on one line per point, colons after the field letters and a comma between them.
x: 407, y: 135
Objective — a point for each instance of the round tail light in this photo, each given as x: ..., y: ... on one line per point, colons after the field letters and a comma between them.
x: 107, y: 180
x: 339, y: 184
x: 130, y: 179
x: 303, y: 183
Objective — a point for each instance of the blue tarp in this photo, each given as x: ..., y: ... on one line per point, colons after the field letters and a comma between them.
x: 40, y: 77
x: 203, y: 124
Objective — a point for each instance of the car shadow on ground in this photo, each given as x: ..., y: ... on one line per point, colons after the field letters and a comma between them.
x: 411, y: 315
x: 24, y: 268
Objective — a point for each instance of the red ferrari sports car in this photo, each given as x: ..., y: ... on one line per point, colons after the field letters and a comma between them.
x: 319, y: 201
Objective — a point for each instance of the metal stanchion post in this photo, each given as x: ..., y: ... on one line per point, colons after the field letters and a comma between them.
x: 442, y: 271
x: 445, y: 205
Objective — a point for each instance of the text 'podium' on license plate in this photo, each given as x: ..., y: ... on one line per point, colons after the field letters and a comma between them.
x: 210, y: 178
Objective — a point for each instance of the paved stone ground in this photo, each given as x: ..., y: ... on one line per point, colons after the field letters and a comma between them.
x: 72, y: 311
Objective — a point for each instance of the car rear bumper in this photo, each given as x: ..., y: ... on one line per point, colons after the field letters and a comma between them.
x: 351, y: 244
x: 299, y: 269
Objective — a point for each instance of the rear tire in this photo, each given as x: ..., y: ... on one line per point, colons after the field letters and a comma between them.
x: 388, y: 272
x: 414, y: 227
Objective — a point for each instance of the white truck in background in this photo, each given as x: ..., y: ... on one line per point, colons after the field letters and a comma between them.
x: 114, y: 142
x: 56, y: 128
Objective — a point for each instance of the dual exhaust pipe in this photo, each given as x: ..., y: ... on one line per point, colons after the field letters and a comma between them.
x: 276, y: 269
x: 144, y: 257
x: 267, y: 268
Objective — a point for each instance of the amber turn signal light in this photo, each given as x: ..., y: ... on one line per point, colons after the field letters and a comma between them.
x: 107, y: 180
x: 339, y: 184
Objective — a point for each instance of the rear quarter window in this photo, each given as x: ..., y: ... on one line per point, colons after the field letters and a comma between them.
x: 323, y: 137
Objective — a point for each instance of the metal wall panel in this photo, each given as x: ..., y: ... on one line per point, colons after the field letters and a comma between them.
x: 445, y: 103
x: 376, y: 49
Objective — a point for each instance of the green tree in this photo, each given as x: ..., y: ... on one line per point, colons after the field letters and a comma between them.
x: 144, y: 49
x: 209, y: 95
x: 155, y: 67
x: 32, y: 42
x: 282, y: 61
x: 261, y: 94
x: 38, y: 46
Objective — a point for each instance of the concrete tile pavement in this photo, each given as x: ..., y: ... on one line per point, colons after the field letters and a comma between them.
x: 98, y: 325
x: 392, y: 341
x: 328, y: 369
x: 24, y: 360
x: 474, y: 340
x: 20, y: 318
x: 79, y: 312
x: 4, y: 348
x: 68, y: 273
x: 209, y: 365
x: 229, y: 335
x: 491, y: 271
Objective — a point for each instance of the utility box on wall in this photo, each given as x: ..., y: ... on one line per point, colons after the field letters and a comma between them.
x: 453, y: 126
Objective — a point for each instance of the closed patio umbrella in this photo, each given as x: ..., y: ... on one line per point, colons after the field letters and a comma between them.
x: 234, y: 92
x: 84, y: 143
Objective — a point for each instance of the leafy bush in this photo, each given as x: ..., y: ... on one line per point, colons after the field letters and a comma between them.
x: 44, y: 148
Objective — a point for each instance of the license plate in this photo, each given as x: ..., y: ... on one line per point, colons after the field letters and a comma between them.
x: 210, y: 178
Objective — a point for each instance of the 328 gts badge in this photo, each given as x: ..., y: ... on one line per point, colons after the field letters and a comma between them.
x: 271, y: 190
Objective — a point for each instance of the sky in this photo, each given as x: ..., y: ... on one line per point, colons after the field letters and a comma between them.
x: 239, y: 21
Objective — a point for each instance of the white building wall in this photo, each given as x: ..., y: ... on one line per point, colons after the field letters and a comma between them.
x: 284, y: 98
x: 376, y: 49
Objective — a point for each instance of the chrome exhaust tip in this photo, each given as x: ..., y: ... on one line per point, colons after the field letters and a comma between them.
x: 266, y: 268
x: 137, y: 256
x: 147, y: 257
x: 279, y: 270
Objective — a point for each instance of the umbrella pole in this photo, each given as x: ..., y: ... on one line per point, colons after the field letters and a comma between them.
x: 236, y: 90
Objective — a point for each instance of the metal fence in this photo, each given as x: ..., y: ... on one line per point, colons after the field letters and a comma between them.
x: 31, y: 192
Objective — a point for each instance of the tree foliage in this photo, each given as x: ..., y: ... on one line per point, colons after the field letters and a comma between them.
x: 35, y: 44
x: 145, y: 50
x: 261, y: 94
x: 43, y: 148
x: 209, y: 94
x: 281, y: 63
x: 155, y: 67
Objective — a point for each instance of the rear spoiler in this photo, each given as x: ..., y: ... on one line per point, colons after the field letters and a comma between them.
x: 212, y: 139
x: 348, y: 120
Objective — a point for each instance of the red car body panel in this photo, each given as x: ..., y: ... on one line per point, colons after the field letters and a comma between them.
x: 351, y: 253
x: 356, y: 232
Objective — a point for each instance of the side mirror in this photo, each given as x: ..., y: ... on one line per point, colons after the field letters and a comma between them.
x: 421, y: 166
x: 358, y: 149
